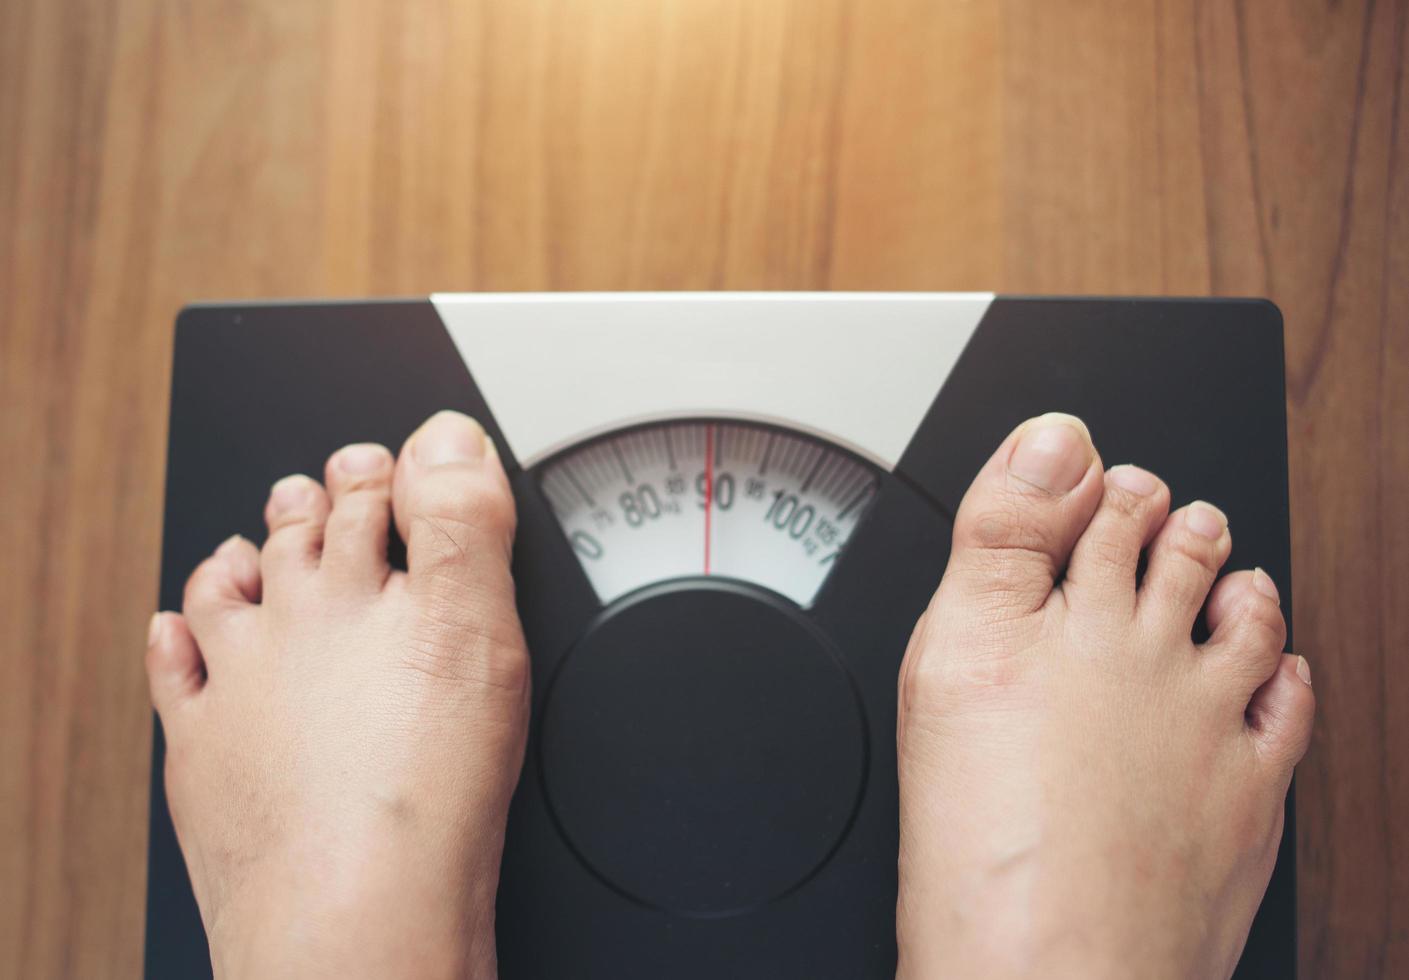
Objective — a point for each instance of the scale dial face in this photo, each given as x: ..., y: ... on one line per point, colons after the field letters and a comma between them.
x: 731, y: 499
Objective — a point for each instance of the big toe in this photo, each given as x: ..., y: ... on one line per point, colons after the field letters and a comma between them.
x: 455, y: 511
x: 1023, y: 514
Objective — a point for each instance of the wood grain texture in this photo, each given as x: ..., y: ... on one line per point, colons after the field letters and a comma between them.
x: 155, y: 151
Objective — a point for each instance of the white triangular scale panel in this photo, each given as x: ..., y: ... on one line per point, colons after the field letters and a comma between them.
x: 858, y: 369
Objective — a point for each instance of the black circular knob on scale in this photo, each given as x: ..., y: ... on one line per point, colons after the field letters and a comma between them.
x: 702, y: 747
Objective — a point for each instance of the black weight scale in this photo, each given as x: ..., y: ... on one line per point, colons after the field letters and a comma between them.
x: 732, y: 508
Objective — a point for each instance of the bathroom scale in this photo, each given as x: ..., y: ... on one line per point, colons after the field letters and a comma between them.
x: 732, y: 510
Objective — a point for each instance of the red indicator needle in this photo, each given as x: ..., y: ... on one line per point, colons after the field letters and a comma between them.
x: 708, y: 489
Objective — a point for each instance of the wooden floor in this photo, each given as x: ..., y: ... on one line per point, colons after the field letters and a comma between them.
x: 154, y: 151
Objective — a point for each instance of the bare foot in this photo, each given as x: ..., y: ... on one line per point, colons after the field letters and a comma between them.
x: 1084, y: 790
x: 343, y: 739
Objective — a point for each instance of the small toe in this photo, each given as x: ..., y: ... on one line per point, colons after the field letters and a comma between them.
x: 1101, y: 573
x: 1184, y: 560
x: 175, y: 669
x: 229, y: 582
x: 1246, y: 627
x: 296, y: 514
x: 355, y: 538
x: 1280, y: 714
x: 1018, y: 521
x: 1233, y: 590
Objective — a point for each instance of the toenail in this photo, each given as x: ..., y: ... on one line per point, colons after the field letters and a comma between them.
x: 1053, y: 453
x: 362, y: 459
x: 154, y: 629
x: 1303, y: 670
x: 1206, y: 520
x: 1140, y: 482
x: 227, y: 544
x: 449, y: 437
x: 290, y: 493
x: 1263, y: 583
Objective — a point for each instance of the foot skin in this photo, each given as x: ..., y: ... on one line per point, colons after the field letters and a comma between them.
x: 1082, y: 787
x: 342, y: 738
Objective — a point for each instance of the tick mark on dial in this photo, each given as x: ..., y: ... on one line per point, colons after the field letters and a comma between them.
x: 572, y: 478
x: 856, y: 501
x: 621, y: 460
